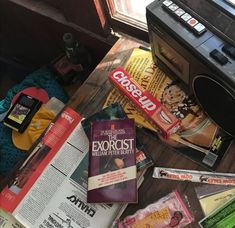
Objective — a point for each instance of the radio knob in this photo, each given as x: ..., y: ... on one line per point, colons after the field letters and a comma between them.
x: 230, y: 50
x: 219, y: 57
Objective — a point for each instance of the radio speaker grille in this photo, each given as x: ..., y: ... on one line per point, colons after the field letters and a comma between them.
x: 216, y: 101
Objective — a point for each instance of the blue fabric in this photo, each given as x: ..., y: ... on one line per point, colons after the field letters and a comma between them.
x: 42, y: 78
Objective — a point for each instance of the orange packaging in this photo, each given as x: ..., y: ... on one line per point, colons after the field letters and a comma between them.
x: 165, y: 122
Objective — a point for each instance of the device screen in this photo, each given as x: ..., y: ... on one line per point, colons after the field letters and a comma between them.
x: 19, y: 113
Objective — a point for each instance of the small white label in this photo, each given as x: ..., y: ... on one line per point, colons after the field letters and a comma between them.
x: 167, y: 2
x: 199, y: 27
x: 173, y: 7
x: 179, y: 12
x: 186, y: 17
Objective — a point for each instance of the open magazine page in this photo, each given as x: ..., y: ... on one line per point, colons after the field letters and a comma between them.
x: 58, y: 198
x: 198, y: 138
x: 38, y: 159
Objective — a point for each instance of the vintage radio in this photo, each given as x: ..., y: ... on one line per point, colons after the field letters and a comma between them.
x: 195, y: 42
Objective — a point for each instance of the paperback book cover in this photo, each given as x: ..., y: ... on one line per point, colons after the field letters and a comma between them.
x: 115, y: 111
x: 112, y: 162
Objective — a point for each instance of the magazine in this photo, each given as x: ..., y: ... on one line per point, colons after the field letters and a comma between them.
x: 52, y: 192
x: 40, y: 156
x: 159, y: 116
x: 53, y: 196
x: 199, y: 138
x: 7, y: 220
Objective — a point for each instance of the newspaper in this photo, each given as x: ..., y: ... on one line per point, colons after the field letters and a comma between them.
x: 199, y: 138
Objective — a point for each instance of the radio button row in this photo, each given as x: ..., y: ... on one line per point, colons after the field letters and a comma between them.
x: 191, y: 22
x: 219, y: 57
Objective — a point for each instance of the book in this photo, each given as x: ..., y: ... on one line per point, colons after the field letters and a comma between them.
x: 110, y: 112
x: 112, y: 162
x: 115, y: 111
x: 199, y: 138
x: 144, y: 159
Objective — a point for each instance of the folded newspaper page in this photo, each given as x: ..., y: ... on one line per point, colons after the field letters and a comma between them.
x: 199, y: 138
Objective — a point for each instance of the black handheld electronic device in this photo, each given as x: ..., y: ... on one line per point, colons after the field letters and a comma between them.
x: 22, y: 112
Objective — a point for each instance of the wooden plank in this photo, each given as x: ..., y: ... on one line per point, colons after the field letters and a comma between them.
x: 89, y: 98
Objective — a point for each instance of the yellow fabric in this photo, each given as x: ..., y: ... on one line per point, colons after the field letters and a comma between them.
x: 38, y: 124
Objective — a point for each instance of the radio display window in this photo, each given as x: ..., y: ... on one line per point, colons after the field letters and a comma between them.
x: 171, y: 58
x: 177, y: 63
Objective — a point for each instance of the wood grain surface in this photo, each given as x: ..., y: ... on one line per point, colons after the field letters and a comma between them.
x: 90, y: 97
